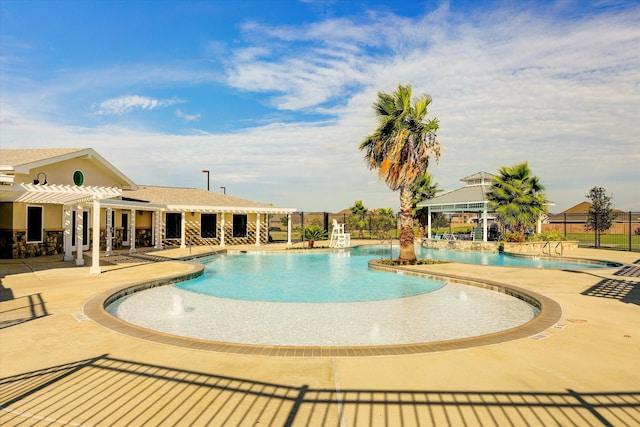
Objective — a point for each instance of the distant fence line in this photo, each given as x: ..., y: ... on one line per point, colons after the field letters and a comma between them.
x: 624, y: 233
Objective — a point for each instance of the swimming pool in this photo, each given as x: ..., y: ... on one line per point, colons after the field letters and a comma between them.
x: 303, y: 299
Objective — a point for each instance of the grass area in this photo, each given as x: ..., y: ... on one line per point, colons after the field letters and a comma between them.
x: 613, y: 241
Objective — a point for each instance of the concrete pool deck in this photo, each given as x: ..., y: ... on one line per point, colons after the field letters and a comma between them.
x: 58, y: 366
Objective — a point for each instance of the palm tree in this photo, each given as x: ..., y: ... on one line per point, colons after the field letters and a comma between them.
x: 399, y: 149
x: 358, y: 220
x: 517, y: 197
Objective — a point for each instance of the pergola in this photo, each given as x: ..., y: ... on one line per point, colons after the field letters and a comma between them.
x: 70, y: 196
x: 470, y: 198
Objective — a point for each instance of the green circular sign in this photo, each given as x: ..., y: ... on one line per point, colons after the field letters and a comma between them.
x: 78, y: 178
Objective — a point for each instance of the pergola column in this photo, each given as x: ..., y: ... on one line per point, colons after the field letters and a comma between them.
x: 288, y: 229
x: 258, y: 229
x: 428, y: 223
x: 95, y: 249
x: 108, y: 232
x: 183, y: 227
x: 158, y: 230
x: 78, y: 231
x: 132, y: 232
x: 68, y: 251
x: 222, y: 229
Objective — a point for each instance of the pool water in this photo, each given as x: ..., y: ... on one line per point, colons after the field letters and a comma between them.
x: 304, y: 277
x: 487, y: 258
x: 339, y: 276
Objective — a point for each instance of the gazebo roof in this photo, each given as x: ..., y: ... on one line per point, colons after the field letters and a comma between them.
x: 470, y: 198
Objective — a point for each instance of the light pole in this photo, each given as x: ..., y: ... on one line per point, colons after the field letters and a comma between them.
x: 207, y: 172
x: 224, y: 190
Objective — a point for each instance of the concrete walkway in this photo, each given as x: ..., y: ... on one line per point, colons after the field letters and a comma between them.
x: 59, y: 367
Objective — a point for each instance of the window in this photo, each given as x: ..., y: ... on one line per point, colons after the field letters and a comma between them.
x: 208, y: 225
x: 125, y: 228
x: 78, y: 178
x: 239, y: 226
x: 174, y: 222
x: 85, y: 229
x: 34, y: 224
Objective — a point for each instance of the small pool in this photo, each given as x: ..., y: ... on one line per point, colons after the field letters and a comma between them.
x: 488, y: 258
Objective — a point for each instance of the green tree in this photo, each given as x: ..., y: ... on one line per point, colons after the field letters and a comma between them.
x: 358, y: 220
x: 517, y: 197
x: 600, y: 215
x: 423, y: 189
x: 399, y: 149
x: 313, y: 233
x: 384, y: 220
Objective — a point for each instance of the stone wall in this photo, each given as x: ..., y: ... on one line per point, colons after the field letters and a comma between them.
x: 52, y: 244
x: 541, y: 248
x: 461, y: 245
x: 533, y: 248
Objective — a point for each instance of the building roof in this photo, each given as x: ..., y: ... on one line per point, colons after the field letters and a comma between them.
x: 24, y: 160
x: 12, y: 158
x: 194, y: 199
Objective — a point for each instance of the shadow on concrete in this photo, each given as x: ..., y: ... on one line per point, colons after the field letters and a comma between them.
x: 109, y: 391
x: 623, y: 290
x: 14, y: 311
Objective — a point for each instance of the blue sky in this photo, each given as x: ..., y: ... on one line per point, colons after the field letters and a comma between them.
x: 274, y: 97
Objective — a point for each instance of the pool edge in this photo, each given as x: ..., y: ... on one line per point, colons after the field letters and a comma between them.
x: 550, y: 314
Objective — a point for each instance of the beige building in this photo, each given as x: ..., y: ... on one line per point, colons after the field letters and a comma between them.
x: 63, y: 200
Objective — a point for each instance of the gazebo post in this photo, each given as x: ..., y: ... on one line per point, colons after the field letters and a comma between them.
x: 288, y: 229
x: 428, y: 222
x: 484, y: 224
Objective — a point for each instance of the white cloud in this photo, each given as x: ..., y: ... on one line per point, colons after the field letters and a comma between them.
x: 506, y: 86
x: 187, y: 117
x: 127, y: 103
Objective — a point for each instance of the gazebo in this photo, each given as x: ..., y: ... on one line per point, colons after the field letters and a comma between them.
x: 470, y: 198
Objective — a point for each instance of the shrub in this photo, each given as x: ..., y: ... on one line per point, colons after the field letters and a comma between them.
x: 512, y: 236
x: 547, y: 236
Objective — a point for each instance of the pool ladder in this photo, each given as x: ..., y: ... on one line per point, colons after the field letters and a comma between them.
x: 547, y: 249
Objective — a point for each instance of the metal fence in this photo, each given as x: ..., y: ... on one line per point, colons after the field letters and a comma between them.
x: 367, y: 226
x: 623, y: 235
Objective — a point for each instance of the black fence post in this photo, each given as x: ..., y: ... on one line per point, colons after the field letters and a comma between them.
x: 630, y: 234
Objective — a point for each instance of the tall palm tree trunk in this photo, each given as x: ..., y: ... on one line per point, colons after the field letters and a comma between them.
x: 407, y: 251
